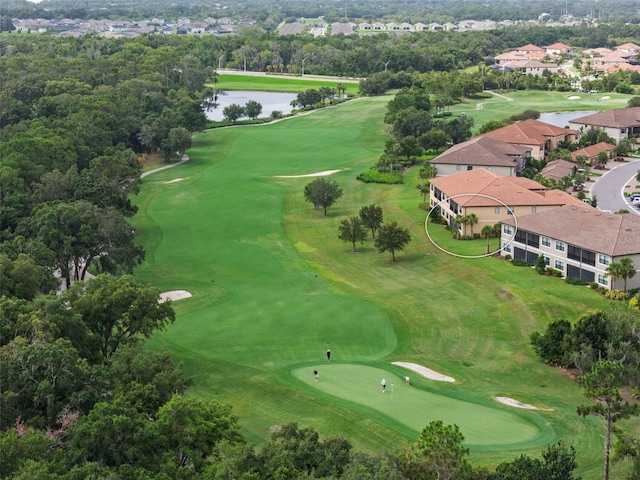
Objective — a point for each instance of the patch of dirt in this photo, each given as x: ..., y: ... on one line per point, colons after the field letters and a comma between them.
x: 504, y: 295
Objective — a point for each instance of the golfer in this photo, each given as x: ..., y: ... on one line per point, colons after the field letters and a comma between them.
x: 316, y: 375
x: 406, y: 380
x: 384, y: 385
x: 328, y: 355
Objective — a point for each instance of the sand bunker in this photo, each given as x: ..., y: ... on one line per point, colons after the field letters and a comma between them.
x: 425, y: 372
x: 317, y: 174
x: 175, y: 180
x: 515, y: 403
x: 574, y: 97
x: 606, y: 97
x: 174, y: 295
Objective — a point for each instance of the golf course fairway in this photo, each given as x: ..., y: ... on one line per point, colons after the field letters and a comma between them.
x: 273, y: 288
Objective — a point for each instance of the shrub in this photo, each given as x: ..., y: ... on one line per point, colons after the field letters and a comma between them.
x: 554, y: 273
x: 507, y: 257
x: 519, y: 263
x: 593, y: 285
x: 276, y: 114
x: 374, y: 176
x: 617, y: 295
x: 574, y: 281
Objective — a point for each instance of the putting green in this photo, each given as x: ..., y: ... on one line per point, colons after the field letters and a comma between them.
x: 414, y: 407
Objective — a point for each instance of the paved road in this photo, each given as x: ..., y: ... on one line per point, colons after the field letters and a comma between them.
x: 610, y: 187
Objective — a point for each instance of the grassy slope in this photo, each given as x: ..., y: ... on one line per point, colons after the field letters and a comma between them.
x: 279, y: 83
x: 274, y: 288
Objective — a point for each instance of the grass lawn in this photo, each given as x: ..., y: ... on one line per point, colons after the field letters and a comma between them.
x: 280, y: 83
x: 483, y: 110
x: 274, y: 288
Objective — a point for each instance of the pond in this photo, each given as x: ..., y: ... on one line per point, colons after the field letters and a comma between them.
x: 270, y: 101
x: 561, y: 119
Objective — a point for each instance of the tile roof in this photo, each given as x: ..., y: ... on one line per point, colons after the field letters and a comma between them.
x: 530, y: 48
x: 528, y: 132
x: 618, y: 117
x: 482, y: 150
x: 593, y: 150
x: 586, y: 227
x: 474, y: 188
x: 558, y: 169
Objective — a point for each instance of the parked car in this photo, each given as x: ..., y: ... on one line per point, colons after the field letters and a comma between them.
x: 635, y: 201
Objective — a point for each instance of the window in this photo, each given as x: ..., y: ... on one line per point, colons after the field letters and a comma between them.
x: 506, y: 247
x: 534, y: 209
x: 559, y: 265
x: 560, y: 246
x: 547, y: 260
x: 469, y: 167
x: 509, y: 211
x: 603, y: 279
x: 458, y: 167
x: 545, y: 241
x: 574, y: 253
x: 496, y: 210
x: 604, y: 259
x: 507, y: 229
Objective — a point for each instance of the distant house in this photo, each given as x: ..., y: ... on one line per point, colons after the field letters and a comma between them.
x: 618, y: 123
x: 482, y: 152
x: 420, y: 27
x: 557, y: 169
x: 578, y: 240
x: 293, y: 28
x: 539, y: 136
x: 511, y: 58
x: 536, y: 68
x: 558, y: 49
x: 379, y: 26
x: 630, y: 49
x: 491, y: 197
x: 530, y: 48
x: 364, y: 26
x: 592, y: 152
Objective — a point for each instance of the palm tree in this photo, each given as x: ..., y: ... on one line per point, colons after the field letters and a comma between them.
x: 472, y: 219
x: 613, y: 270
x: 459, y: 220
x: 487, y: 232
x: 626, y: 270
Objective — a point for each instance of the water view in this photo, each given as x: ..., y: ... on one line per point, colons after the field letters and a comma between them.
x: 270, y: 101
x: 561, y: 119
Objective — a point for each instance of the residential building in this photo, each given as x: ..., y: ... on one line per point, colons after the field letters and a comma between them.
x: 491, y: 197
x: 482, y: 152
x: 558, y: 49
x: 618, y: 123
x: 578, y: 240
x: 536, y: 68
x: 539, y: 136
x: 557, y: 169
x: 592, y: 152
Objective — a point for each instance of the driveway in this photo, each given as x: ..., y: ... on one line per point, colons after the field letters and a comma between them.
x: 610, y: 187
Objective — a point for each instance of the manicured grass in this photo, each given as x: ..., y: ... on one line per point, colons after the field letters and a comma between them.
x: 497, y: 108
x: 274, y: 288
x: 280, y: 83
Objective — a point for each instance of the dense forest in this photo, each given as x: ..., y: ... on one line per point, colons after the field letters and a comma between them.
x: 80, y: 397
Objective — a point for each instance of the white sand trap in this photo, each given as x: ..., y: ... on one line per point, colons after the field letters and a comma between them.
x: 317, y: 174
x: 175, y: 180
x: 574, y: 97
x: 425, y: 372
x: 174, y: 295
x: 606, y: 97
x: 515, y: 403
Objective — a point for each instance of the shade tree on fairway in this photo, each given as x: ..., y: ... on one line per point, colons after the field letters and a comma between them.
x: 371, y: 216
x: 352, y: 230
x: 322, y: 193
x: 392, y: 238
